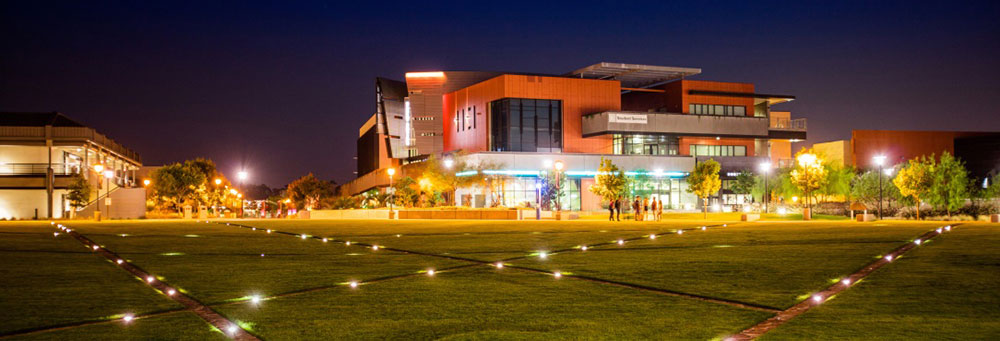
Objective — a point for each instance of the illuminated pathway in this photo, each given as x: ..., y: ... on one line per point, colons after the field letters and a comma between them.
x: 228, y: 328
x: 845, y: 283
x: 502, y: 264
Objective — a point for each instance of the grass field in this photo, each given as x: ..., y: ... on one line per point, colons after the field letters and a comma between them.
x: 696, y: 285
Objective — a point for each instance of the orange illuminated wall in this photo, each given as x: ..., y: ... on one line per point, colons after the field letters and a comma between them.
x: 579, y: 97
x: 899, y: 146
x: 676, y: 96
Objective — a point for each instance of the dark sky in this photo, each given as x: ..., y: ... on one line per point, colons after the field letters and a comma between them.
x: 282, y: 88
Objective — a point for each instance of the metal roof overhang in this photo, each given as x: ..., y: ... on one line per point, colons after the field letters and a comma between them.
x: 634, y: 75
x: 770, y: 98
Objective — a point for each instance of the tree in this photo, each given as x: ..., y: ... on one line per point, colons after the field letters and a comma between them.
x: 609, y: 182
x: 405, y: 192
x: 915, y: 179
x: 808, y: 174
x: 745, y: 183
x: 865, y: 189
x: 79, y: 192
x: 704, y: 181
x: 837, y: 182
x: 551, y: 191
x: 950, y: 183
x: 308, y: 191
x: 177, y: 184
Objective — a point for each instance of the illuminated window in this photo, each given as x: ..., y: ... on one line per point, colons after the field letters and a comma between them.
x: 717, y: 110
x: 708, y: 150
x: 526, y: 125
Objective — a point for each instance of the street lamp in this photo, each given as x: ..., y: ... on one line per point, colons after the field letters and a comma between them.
x: 879, y: 160
x: 145, y: 182
x: 99, y: 168
x: 242, y: 175
x: 538, y: 200
x: 392, y: 191
x: 448, y: 163
x: 764, y: 169
x: 108, y: 174
x: 806, y: 161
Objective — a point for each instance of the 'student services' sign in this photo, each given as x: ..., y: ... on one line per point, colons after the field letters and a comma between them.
x: 628, y: 118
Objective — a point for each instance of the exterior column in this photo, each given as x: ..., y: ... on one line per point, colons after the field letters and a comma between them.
x: 49, y: 174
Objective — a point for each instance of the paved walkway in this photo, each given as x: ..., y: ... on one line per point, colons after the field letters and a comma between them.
x: 820, y: 297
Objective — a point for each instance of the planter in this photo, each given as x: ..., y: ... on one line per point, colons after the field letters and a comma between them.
x: 750, y: 217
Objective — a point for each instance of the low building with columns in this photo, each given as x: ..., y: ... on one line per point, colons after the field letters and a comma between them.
x: 40, y: 153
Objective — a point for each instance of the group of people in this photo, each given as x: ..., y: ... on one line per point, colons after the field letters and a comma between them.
x: 645, y: 209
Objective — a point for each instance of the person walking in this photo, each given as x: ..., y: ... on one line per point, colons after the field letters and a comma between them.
x: 659, y: 211
x: 618, y: 208
x: 653, y: 205
x: 611, y: 210
x: 637, y: 209
x: 645, y: 208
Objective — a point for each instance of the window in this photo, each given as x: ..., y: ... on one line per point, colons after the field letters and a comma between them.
x: 423, y: 118
x: 717, y: 110
x: 645, y: 144
x: 428, y: 134
x: 707, y: 150
x: 526, y: 125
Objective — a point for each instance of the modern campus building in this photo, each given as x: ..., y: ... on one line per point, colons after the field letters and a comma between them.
x: 979, y: 150
x: 39, y: 155
x: 651, y: 121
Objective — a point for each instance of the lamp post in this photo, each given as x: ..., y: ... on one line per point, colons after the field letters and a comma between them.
x: 218, y: 197
x: 99, y: 168
x: 765, y: 168
x: 242, y: 175
x: 392, y: 191
x: 879, y: 160
x: 806, y: 161
x: 538, y: 200
x: 108, y: 174
x: 448, y: 163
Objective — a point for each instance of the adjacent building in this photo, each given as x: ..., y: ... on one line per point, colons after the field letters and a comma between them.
x: 40, y: 153
x: 979, y: 150
x: 652, y: 121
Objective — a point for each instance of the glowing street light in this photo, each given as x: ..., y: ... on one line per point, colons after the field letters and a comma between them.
x: 392, y: 192
x: 765, y: 168
x: 145, y: 182
x: 448, y: 163
x: 218, y: 181
x: 880, y: 160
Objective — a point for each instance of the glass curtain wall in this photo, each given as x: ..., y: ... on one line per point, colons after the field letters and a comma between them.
x: 526, y: 125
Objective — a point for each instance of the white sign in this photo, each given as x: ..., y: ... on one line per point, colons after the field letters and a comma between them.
x: 628, y: 118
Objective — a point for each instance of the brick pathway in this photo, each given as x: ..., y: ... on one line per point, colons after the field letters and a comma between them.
x: 228, y: 328
x: 820, y: 297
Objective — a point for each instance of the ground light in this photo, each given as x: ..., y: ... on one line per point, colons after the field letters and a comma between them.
x: 55, y: 234
x: 171, y: 292
x: 96, y: 247
x: 680, y: 231
x: 817, y: 298
x: 374, y: 247
x: 846, y: 281
x: 499, y: 265
x: 557, y: 274
x: 128, y: 318
x: 324, y: 240
x: 430, y: 272
x: 232, y: 329
x: 703, y: 228
x: 583, y: 248
x: 917, y: 241
x: 353, y: 284
x: 888, y: 258
x: 119, y: 261
x: 543, y: 255
x: 255, y: 299
x: 150, y: 279
x: 621, y: 242
x: 304, y: 236
x: 652, y: 236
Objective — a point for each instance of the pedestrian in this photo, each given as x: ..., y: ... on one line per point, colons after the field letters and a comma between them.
x: 645, y: 208
x: 611, y: 210
x: 653, y: 205
x: 659, y: 211
x: 637, y: 209
x: 618, y: 208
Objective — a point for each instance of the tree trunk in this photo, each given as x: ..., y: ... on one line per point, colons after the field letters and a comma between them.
x: 704, y: 207
x: 918, y: 208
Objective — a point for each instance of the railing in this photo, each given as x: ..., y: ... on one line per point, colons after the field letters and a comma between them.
x: 70, y: 133
x: 38, y: 168
x: 788, y: 124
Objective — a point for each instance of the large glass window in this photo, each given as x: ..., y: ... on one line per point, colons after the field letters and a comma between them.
x: 707, y: 150
x: 645, y: 144
x: 525, y: 125
x: 717, y: 110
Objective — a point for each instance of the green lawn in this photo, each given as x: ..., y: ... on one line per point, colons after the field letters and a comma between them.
x: 54, y: 281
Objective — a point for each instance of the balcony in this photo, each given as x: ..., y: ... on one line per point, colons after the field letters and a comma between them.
x: 785, y: 128
x: 626, y: 122
x: 22, y: 169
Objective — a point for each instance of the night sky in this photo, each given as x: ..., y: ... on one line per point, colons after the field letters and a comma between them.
x: 282, y: 88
